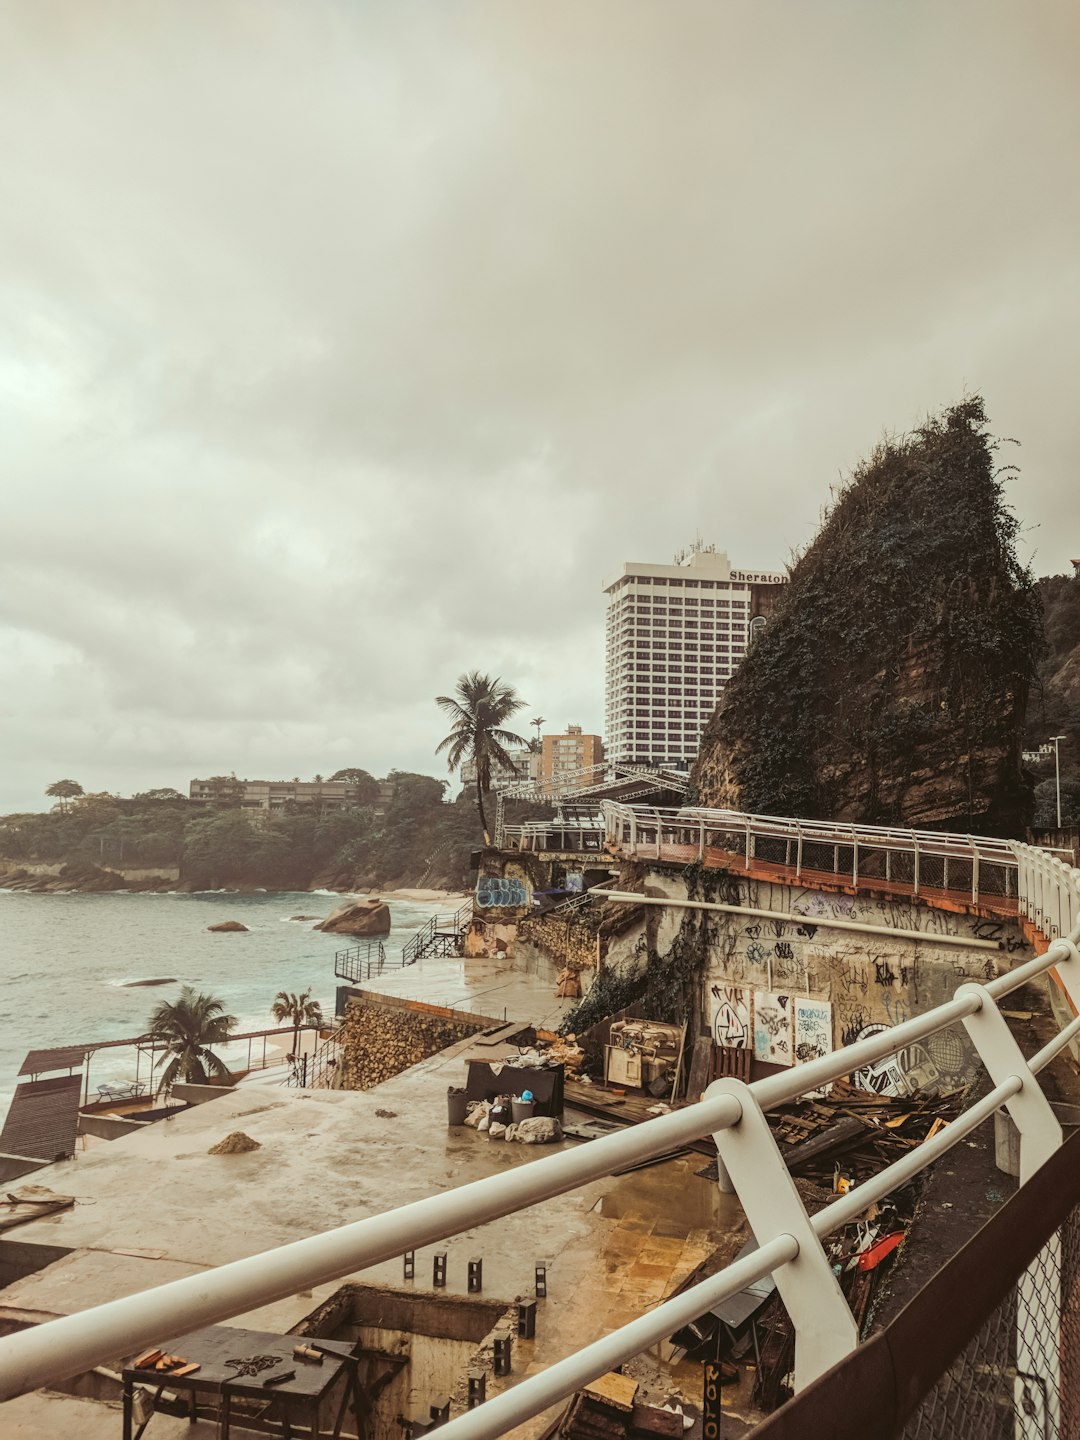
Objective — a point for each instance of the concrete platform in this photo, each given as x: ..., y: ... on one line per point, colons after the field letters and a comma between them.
x: 154, y: 1205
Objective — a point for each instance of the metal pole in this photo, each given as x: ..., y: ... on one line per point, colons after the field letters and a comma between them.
x: 634, y: 899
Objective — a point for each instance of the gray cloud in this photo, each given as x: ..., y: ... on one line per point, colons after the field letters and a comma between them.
x: 343, y: 346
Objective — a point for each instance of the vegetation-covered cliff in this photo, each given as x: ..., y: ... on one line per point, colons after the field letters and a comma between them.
x: 891, y: 685
x: 1054, y: 707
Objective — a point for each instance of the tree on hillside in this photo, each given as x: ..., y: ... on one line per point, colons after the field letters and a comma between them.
x: 300, y: 1009
x: 188, y: 1027
x: 366, y: 784
x: 160, y: 795
x: 480, y: 707
x: 63, y: 790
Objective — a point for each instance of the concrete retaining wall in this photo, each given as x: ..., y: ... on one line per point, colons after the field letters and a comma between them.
x: 790, y: 989
x: 381, y: 1037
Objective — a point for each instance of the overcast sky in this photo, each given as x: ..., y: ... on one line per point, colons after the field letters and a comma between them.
x: 344, y: 346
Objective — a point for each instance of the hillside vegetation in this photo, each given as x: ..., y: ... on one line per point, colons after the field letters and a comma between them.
x: 418, y: 839
x: 893, y: 682
x: 1054, y: 707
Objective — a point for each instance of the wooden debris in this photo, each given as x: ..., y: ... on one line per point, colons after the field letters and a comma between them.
x: 648, y: 1420
x: 868, y: 1130
x: 613, y: 1389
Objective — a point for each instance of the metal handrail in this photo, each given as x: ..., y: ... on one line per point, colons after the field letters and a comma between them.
x: 877, y: 837
x: 359, y: 962
x: 416, y: 944
x: 1049, y: 896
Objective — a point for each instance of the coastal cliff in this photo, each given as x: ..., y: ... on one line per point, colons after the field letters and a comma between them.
x: 891, y: 684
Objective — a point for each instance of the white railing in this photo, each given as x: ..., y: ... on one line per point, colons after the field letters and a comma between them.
x: 732, y: 1112
x: 917, y: 861
x: 561, y: 835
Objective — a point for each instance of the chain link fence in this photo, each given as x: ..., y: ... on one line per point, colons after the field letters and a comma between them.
x: 989, y: 1349
x: 1018, y: 1378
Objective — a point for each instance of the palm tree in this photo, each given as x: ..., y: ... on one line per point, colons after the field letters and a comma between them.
x: 188, y: 1027
x: 300, y: 1009
x: 479, y: 708
x: 62, y: 790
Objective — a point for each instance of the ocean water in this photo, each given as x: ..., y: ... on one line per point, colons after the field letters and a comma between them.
x: 64, y: 961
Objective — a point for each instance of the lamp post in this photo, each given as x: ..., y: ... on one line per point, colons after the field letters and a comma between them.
x: 1056, y: 739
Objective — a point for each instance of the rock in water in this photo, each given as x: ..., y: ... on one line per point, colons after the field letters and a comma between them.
x: 228, y: 927
x: 890, y: 685
x: 235, y: 1144
x: 360, y: 917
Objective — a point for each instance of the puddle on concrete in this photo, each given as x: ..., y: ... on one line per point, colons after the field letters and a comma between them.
x: 671, y: 1194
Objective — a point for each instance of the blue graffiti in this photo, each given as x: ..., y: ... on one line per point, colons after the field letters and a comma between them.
x: 494, y: 890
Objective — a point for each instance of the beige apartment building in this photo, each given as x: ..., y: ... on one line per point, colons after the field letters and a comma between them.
x: 274, y: 794
x: 570, y: 760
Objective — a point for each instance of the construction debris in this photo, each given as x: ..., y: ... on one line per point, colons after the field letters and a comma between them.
x: 857, y: 1130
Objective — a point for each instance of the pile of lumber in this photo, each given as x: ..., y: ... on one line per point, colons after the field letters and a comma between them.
x: 857, y: 1131
x: 608, y: 1409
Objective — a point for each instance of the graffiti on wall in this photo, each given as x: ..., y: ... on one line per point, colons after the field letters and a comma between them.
x: 910, y: 1069
x: 500, y: 890
x: 813, y: 1029
x: 773, y: 1041
x: 730, y: 1016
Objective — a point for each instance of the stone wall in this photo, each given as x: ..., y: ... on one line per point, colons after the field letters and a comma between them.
x: 566, y: 942
x: 790, y: 989
x: 381, y: 1037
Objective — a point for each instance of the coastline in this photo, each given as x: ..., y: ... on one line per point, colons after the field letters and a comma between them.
x: 38, y: 878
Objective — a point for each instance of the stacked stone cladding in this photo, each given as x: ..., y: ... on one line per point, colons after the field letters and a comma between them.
x: 381, y: 1038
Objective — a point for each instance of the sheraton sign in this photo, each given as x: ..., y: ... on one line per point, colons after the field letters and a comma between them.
x: 759, y: 577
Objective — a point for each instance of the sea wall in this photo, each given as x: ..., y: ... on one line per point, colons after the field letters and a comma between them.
x: 383, y: 1035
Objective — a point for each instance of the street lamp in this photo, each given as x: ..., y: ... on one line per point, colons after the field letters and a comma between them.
x: 1056, y: 739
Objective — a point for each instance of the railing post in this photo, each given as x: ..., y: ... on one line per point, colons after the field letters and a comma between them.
x: 1040, y: 1133
x: 974, y: 871
x: 701, y: 842
x: 824, y: 1328
x: 854, y: 857
x: 798, y: 853
x: 915, y: 843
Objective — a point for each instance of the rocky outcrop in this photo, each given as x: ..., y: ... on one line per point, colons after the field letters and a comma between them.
x: 228, y: 927
x: 891, y: 684
x: 358, y: 917
x: 50, y: 879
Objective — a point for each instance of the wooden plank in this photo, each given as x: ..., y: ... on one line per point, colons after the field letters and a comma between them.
x: 648, y: 1420
x: 613, y: 1389
x: 831, y: 1138
x: 700, y: 1068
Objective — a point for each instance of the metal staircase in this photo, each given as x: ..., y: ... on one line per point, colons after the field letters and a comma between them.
x: 442, y: 935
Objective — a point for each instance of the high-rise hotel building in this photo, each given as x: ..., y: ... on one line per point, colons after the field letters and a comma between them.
x: 674, y: 635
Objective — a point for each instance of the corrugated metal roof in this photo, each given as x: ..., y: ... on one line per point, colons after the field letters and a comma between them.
x: 61, y: 1057
x: 42, y: 1119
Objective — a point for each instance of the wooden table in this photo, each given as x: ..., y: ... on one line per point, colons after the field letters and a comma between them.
x: 296, y: 1402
